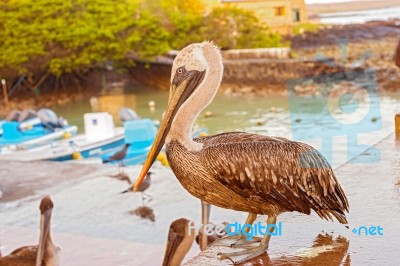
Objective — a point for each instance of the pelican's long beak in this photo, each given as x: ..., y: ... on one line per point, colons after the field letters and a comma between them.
x: 44, y: 232
x: 180, y: 240
x: 179, y: 93
x: 174, y: 240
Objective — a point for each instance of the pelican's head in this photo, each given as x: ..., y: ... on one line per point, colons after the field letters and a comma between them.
x: 195, y: 65
x: 46, y: 207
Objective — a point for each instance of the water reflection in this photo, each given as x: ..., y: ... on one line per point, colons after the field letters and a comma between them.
x: 112, y: 103
x: 263, y: 115
x: 325, y: 250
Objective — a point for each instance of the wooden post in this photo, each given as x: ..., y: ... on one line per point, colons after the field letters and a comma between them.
x: 5, y: 93
x: 397, y: 125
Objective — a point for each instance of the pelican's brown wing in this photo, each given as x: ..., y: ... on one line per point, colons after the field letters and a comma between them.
x: 23, y: 256
x: 27, y: 251
x: 290, y: 175
x: 13, y: 260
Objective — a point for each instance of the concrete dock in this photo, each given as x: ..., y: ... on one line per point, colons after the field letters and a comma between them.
x: 92, y: 225
x: 373, y: 191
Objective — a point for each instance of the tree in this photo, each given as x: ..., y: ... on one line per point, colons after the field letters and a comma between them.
x: 54, y: 37
x: 46, y: 37
x: 181, y: 18
x: 235, y: 28
x: 230, y: 27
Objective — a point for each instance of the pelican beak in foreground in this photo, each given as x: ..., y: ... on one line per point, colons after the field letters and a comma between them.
x: 44, y: 232
x: 180, y: 239
x: 174, y: 240
x: 182, y: 86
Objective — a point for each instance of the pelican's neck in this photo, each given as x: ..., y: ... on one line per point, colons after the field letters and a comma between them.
x: 182, y: 124
x: 49, y: 240
x: 51, y: 253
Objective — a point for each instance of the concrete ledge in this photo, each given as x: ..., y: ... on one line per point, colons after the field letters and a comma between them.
x: 373, y: 191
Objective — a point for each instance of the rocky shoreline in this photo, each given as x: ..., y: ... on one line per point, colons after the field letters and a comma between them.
x: 355, y: 5
x: 333, y: 49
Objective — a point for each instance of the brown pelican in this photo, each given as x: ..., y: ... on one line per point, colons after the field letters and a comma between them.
x: 119, y: 156
x: 209, y: 239
x: 240, y: 171
x: 46, y: 253
x: 180, y: 240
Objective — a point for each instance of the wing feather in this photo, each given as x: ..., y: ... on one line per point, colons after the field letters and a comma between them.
x: 292, y: 175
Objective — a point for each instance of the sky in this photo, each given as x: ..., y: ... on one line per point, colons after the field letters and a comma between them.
x: 328, y: 1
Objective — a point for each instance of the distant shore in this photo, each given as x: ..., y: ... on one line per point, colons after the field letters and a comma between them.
x: 374, y: 42
x: 315, y: 9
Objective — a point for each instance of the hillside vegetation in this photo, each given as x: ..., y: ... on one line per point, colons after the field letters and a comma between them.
x: 53, y: 37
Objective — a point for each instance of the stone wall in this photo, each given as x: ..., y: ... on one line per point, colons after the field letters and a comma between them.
x: 263, y: 77
x: 241, y: 76
x: 279, y: 52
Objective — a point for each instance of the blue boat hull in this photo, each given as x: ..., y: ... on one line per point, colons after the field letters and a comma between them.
x: 135, y: 156
x: 93, y: 152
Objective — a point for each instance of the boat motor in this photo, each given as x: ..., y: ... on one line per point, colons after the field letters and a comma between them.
x: 126, y: 114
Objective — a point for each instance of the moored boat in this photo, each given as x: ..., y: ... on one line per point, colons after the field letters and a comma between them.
x: 25, y: 125
x: 100, y: 137
x: 29, y: 129
x: 140, y: 134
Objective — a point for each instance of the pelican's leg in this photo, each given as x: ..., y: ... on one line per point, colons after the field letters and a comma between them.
x: 122, y: 166
x: 147, y: 197
x: 241, y: 240
x: 253, y: 251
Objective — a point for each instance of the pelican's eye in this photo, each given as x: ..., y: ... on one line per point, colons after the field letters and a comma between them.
x: 180, y: 70
x: 180, y: 75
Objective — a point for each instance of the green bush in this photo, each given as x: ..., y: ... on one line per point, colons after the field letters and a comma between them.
x: 305, y: 27
x: 53, y: 37
x: 45, y: 37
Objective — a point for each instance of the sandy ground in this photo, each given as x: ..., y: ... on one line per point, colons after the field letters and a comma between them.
x: 91, y: 220
x: 92, y: 224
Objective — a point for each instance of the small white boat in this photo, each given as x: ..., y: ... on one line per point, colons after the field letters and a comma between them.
x: 100, y: 137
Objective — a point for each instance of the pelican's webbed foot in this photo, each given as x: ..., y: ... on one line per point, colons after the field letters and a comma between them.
x: 251, y: 252
x: 240, y: 241
x: 243, y: 243
x: 235, y: 241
